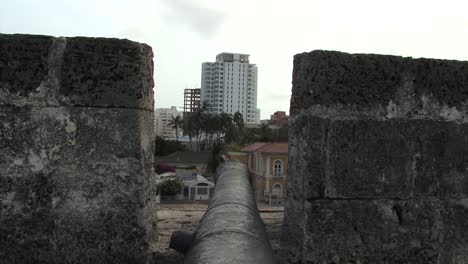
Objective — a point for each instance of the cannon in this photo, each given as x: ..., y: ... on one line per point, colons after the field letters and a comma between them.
x: 231, y: 231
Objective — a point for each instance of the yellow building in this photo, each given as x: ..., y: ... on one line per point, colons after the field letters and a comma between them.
x: 268, y: 163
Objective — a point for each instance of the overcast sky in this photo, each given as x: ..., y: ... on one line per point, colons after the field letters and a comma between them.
x: 185, y: 33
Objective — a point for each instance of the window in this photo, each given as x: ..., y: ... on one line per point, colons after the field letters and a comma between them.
x: 276, y: 192
x: 277, y: 168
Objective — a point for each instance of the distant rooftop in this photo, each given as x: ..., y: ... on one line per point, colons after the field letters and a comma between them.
x: 231, y: 57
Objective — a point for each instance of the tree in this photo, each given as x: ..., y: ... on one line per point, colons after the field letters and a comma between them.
x: 280, y: 134
x: 216, y: 156
x: 165, y: 147
x: 188, y: 127
x: 227, y: 127
x: 201, y: 117
x: 240, y: 127
x: 170, y: 187
x: 265, y: 133
x: 210, y: 125
x: 193, y: 125
x: 238, y: 120
x: 176, y: 123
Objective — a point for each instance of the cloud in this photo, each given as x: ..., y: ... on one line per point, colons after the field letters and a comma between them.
x: 276, y: 97
x: 134, y: 33
x: 196, y: 17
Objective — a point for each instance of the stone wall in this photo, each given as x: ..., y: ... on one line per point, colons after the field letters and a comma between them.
x: 76, y: 141
x: 378, y: 156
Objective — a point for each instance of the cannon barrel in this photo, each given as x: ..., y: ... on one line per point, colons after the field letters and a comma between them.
x: 231, y: 231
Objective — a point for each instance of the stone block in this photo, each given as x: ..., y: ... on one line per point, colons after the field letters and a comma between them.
x: 383, y: 159
x: 24, y: 64
x: 107, y: 73
x: 329, y: 78
x: 370, y: 81
x: 384, y: 231
x: 76, y: 185
x: 378, y: 167
x: 94, y: 72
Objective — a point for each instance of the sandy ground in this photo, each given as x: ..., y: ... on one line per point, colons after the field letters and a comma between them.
x: 172, y: 217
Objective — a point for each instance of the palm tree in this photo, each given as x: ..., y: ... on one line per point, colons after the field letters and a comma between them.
x: 209, y: 126
x: 200, y: 116
x: 188, y: 127
x: 228, y: 127
x: 216, y: 158
x: 238, y: 120
x: 192, y: 125
x: 176, y: 123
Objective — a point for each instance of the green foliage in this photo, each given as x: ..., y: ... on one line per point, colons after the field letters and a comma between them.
x: 280, y: 134
x: 264, y: 134
x: 238, y: 120
x: 165, y: 147
x: 170, y: 186
x: 176, y: 123
x: 233, y: 147
x: 208, y: 129
x: 216, y: 152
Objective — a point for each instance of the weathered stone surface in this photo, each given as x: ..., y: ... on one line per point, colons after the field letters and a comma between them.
x: 292, y: 236
x: 107, y: 72
x: 393, y: 159
x: 378, y: 170
x: 76, y: 159
x: 76, y: 180
x: 337, y: 85
x: 95, y: 72
x: 383, y: 231
x: 23, y: 63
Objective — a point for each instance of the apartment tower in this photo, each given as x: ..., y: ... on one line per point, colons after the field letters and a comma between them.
x: 230, y: 85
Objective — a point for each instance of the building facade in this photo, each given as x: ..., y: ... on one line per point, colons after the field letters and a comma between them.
x: 279, y: 118
x: 162, y: 120
x: 268, y: 163
x: 230, y: 85
x: 191, y: 100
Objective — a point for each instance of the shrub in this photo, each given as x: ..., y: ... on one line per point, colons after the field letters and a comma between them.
x: 170, y: 187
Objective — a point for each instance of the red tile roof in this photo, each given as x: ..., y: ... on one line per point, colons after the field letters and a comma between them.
x: 267, y: 147
x: 253, y: 147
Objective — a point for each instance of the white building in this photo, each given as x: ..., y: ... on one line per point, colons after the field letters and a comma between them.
x: 230, y: 85
x: 258, y: 116
x: 162, y: 119
x: 195, y: 186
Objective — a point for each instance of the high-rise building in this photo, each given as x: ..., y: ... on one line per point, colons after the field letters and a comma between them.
x: 230, y: 85
x: 191, y: 100
x: 162, y: 120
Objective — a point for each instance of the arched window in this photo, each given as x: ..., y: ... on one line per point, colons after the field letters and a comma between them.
x: 277, y: 168
x: 277, y: 192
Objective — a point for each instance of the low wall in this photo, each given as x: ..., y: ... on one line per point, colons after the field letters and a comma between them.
x: 76, y: 159
x: 378, y: 158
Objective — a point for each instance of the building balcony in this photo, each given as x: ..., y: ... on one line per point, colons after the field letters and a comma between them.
x: 272, y: 200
